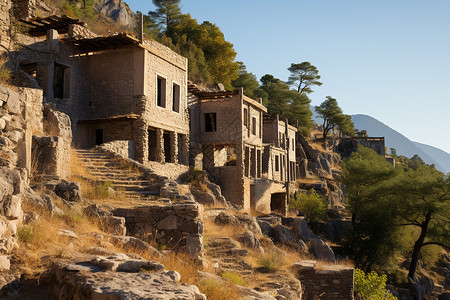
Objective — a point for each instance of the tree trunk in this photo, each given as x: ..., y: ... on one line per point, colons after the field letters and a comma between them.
x: 418, y: 245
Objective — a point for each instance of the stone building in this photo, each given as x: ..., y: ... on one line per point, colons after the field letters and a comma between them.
x: 276, y: 145
x: 227, y: 130
x: 113, y: 88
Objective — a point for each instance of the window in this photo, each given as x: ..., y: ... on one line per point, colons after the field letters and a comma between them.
x: 210, y: 122
x: 254, y: 126
x: 277, y: 163
x: 61, y: 81
x: 176, y: 97
x: 161, y: 92
x: 245, y: 117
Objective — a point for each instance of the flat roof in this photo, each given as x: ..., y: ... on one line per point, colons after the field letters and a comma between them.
x: 104, y: 42
x: 39, y: 26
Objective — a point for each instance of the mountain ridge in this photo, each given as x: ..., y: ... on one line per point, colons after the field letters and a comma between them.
x: 394, y: 139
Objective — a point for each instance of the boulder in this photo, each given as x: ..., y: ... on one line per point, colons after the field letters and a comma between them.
x: 4, y: 263
x: 321, y: 250
x: 266, y: 228
x: 301, y: 230
x: 282, y: 235
x: 249, y: 240
x: 68, y: 190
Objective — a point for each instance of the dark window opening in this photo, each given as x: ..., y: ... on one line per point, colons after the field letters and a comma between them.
x: 254, y: 126
x: 152, y: 152
x: 258, y: 163
x: 278, y: 202
x: 247, y: 161
x: 58, y: 81
x: 180, y: 149
x: 245, y: 117
x: 210, y: 122
x: 176, y: 98
x: 277, y: 163
x: 98, y: 136
x: 167, y: 148
x: 161, y: 92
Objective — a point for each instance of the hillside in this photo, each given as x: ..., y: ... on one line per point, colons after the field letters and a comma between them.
x: 439, y: 155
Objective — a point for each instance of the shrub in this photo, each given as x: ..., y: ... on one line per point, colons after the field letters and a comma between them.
x: 103, y: 189
x: 371, y: 286
x: 311, y: 204
x: 271, y: 261
x: 233, y: 277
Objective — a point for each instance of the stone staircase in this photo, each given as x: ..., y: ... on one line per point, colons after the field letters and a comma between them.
x: 124, y: 179
x: 224, y: 252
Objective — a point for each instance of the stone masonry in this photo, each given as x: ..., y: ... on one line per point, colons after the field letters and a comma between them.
x: 327, y: 282
x: 177, y: 227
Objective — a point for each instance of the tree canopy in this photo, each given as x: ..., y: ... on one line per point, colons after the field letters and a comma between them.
x: 385, y: 201
x: 333, y: 117
x: 287, y: 103
x: 303, y: 76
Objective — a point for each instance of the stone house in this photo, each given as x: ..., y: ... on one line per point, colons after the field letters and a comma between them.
x: 113, y: 88
x: 276, y: 146
x: 227, y: 130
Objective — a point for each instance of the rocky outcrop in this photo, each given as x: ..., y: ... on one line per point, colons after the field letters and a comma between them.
x: 118, y: 11
x: 120, y: 277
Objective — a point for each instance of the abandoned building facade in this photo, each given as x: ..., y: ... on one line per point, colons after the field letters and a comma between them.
x: 120, y: 87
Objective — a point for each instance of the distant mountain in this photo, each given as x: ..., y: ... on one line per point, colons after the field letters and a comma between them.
x: 439, y: 155
x: 394, y: 139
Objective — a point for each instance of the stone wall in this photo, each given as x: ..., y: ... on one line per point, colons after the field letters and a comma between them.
x: 112, y: 82
x: 178, y: 226
x: 20, y: 114
x: 24, y: 9
x: 170, y: 170
x: 5, y: 6
x: 123, y: 148
x: 326, y: 282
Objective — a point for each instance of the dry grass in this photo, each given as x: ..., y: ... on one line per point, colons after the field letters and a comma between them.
x: 341, y: 263
x: 213, y: 230
x: 5, y: 72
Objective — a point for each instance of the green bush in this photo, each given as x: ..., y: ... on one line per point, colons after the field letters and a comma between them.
x: 5, y: 72
x: 311, y: 204
x: 371, y: 286
x: 233, y: 277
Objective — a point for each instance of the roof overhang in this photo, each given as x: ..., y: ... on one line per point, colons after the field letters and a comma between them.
x: 129, y: 117
x: 104, y: 43
x: 40, y: 26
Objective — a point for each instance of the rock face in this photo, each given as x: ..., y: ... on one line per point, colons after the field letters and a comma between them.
x: 118, y: 11
x: 119, y: 277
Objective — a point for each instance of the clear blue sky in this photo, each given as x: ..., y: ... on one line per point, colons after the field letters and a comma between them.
x: 388, y: 59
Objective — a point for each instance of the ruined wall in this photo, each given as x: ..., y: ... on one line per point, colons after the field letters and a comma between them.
x: 112, y: 81
x: 328, y: 282
x: 178, y: 226
x: 112, y: 131
x: 123, y: 148
x: 230, y: 180
x: 20, y: 114
x: 51, y: 153
x: 5, y: 6
x: 44, y: 53
x: 172, y: 171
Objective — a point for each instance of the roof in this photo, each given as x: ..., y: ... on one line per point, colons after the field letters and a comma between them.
x: 104, y: 42
x: 110, y: 119
x: 39, y: 26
